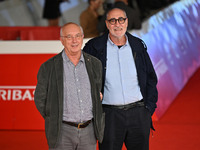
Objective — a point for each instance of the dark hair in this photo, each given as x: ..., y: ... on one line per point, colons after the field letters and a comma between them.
x: 115, y: 8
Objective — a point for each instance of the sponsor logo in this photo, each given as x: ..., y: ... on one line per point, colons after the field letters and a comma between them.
x: 17, y: 93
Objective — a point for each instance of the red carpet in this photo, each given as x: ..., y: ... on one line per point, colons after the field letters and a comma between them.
x: 178, y: 129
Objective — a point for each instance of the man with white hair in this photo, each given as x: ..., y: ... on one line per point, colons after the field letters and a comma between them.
x: 68, y: 96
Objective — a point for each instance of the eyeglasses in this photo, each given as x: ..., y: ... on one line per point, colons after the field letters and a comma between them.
x: 113, y: 21
x: 70, y: 37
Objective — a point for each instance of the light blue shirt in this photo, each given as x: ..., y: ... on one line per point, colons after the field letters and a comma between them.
x: 121, y: 83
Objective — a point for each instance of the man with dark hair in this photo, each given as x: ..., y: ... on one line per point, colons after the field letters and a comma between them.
x: 133, y: 16
x: 129, y: 85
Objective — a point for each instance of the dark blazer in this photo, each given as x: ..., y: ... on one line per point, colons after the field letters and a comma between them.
x: 49, y: 96
x: 146, y: 75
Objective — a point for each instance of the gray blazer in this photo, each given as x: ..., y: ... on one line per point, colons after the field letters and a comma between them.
x: 49, y: 96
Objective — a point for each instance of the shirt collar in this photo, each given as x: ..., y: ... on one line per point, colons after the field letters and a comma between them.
x: 111, y: 42
x: 66, y: 58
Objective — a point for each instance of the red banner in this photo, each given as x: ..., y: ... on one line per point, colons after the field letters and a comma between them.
x: 18, y: 79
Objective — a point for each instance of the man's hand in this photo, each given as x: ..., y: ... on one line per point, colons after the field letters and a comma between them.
x: 101, y: 96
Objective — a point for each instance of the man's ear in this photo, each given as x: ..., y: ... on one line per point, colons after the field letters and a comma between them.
x: 106, y: 22
x: 127, y: 22
x: 61, y: 40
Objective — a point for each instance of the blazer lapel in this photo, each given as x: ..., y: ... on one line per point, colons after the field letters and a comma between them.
x: 89, y: 68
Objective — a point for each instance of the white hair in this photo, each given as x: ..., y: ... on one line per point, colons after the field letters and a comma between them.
x: 61, y: 29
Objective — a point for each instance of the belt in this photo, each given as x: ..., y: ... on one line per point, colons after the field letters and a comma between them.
x: 79, y: 125
x: 127, y: 106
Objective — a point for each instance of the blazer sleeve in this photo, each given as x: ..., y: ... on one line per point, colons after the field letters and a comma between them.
x: 40, y: 96
x: 151, y: 89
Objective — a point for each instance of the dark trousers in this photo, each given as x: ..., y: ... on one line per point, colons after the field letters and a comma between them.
x: 131, y: 127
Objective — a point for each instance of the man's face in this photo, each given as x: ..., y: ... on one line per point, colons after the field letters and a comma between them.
x: 117, y: 28
x: 72, y: 39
